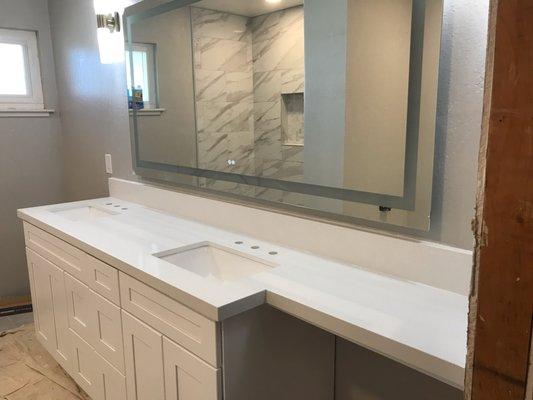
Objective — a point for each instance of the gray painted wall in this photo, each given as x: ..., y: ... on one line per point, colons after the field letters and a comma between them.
x: 30, y: 152
x: 94, y: 109
x: 361, y: 374
x: 95, y: 123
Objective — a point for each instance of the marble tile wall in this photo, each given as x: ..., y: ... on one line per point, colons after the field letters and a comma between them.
x: 278, y: 69
x: 223, y: 70
x: 242, y: 67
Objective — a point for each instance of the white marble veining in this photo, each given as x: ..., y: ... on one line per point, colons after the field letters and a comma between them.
x: 415, y: 324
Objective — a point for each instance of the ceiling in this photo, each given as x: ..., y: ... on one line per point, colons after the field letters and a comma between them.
x: 248, y: 8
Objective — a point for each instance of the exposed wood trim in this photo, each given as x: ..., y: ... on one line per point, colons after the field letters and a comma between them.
x: 502, y: 295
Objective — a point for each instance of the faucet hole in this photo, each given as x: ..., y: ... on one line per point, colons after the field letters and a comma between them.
x: 239, y: 242
x: 255, y: 247
x: 273, y: 253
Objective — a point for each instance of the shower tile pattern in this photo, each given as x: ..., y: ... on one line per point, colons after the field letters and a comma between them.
x: 223, y: 72
x: 278, y: 64
x: 242, y: 68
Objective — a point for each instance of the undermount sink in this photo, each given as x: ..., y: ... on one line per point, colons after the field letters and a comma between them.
x: 213, y: 261
x: 84, y: 213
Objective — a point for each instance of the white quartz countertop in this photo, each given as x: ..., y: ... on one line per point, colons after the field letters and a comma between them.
x: 420, y: 326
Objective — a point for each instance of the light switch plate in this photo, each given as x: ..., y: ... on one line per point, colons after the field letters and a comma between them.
x: 108, y: 164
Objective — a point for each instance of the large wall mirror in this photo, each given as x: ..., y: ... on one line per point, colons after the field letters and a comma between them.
x: 329, y: 106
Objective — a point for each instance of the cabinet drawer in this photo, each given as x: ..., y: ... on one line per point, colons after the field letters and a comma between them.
x: 99, y: 276
x: 94, y: 374
x: 191, y: 330
x: 96, y: 320
x: 62, y: 254
x: 103, y: 279
x: 187, y: 377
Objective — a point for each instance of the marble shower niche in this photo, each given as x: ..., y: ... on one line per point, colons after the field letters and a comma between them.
x: 249, y: 85
x: 292, y: 119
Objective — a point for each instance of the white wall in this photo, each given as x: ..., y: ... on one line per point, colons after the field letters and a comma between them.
x: 30, y: 151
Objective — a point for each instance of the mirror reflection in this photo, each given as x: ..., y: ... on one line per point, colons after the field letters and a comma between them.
x: 327, y: 94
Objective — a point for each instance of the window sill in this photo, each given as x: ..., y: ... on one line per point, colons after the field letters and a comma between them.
x: 149, y: 112
x: 25, y: 113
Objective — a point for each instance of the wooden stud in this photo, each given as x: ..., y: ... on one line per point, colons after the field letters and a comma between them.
x: 502, y: 295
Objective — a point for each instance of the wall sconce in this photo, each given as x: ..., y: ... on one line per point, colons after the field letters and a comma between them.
x: 110, y: 38
x: 109, y: 21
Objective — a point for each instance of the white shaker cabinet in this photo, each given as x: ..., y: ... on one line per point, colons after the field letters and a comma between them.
x: 50, y: 307
x: 143, y: 349
x: 96, y: 320
x: 121, y: 339
x: 187, y: 377
x: 94, y: 374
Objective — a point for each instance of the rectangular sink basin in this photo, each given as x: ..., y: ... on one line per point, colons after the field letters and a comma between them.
x: 213, y: 261
x: 85, y: 213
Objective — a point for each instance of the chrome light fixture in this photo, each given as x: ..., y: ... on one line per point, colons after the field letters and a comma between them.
x: 109, y: 21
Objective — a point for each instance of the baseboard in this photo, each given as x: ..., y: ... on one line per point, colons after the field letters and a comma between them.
x: 15, y: 305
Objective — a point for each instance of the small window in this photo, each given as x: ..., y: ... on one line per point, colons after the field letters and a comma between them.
x: 142, y: 58
x: 20, y: 75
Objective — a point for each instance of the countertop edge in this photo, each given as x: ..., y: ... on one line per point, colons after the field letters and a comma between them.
x: 440, y: 369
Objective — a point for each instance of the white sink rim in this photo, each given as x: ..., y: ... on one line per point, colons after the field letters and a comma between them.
x: 87, y: 212
x: 242, y: 264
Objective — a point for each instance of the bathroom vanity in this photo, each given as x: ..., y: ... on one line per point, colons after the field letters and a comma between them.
x: 136, y: 303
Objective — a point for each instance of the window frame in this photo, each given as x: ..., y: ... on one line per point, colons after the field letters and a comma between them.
x: 34, y: 100
x: 149, y: 49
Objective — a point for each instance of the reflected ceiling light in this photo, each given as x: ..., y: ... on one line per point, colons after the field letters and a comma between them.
x: 273, y: 1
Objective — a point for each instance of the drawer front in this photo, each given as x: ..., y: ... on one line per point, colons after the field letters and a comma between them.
x: 191, y: 330
x: 94, y: 374
x: 62, y: 254
x: 103, y: 279
x: 96, y: 320
x: 187, y: 377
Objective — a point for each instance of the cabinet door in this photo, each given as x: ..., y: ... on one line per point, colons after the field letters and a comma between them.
x: 80, y: 307
x: 94, y: 374
x: 187, y: 377
x: 96, y: 320
x: 50, y: 308
x: 143, y: 353
x: 106, y: 331
x: 86, y: 371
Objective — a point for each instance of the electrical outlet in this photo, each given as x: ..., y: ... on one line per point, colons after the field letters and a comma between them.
x: 108, y: 164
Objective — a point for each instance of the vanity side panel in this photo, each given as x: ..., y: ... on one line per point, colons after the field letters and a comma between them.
x: 364, y: 375
x: 268, y: 354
